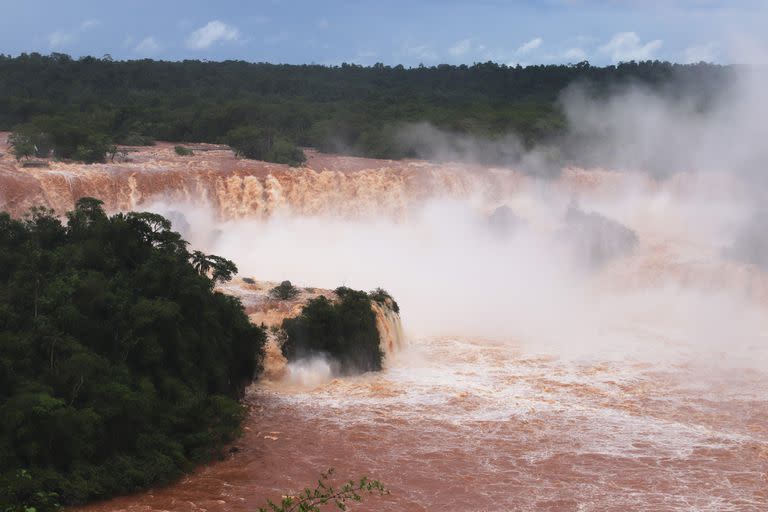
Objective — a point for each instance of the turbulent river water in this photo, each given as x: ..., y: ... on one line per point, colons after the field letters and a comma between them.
x: 468, y: 424
x: 546, y: 366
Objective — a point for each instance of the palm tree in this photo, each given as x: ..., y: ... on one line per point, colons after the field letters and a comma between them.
x: 201, y: 263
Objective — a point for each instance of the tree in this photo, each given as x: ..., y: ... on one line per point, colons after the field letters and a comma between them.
x: 22, y: 146
x: 182, y: 151
x: 120, y: 365
x: 221, y: 269
x: 284, y: 291
x: 96, y: 148
x: 250, y: 142
x: 262, y: 144
x: 201, y: 263
x: 280, y: 108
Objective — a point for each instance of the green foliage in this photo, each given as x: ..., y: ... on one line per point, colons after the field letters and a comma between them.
x: 69, y: 137
x: 285, y: 152
x: 20, y: 493
x: 383, y: 297
x: 95, y: 148
x: 262, y: 144
x: 21, y: 145
x: 26, y: 142
x: 324, y: 494
x: 284, y: 291
x: 220, y: 269
x: 182, y: 151
x: 120, y: 366
x: 344, y: 330
x: 136, y: 139
x: 268, y: 111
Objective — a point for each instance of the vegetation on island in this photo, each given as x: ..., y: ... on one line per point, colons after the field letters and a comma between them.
x: 183, y: 151
x: 262, y: 144
x: 384, y: 298
x: 269, y: 111
x: 120, y: 366
x: 344, y: 330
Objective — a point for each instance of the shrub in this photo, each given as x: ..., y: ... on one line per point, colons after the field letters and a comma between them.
x: 262, y: 144
x: 21, y: 145
x: 249, y: 280
x: 182, y: 151
x: 72, y: 136
x: 326, y: 495
x: 285, y: 152
x: 27, y: 142
x: 136, y: 139
x: 95, y: 149
x: 284, y: 291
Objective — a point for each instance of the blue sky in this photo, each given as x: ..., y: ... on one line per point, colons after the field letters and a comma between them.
x: 393, y: 32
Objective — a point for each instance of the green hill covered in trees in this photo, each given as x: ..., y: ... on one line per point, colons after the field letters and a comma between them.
x: 120, y: 366
x: 79, y: 108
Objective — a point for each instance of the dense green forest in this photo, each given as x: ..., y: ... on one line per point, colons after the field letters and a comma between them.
x: 120, y: 366
x: 79, y: 108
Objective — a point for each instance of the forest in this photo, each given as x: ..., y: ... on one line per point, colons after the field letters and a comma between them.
x: 81, y: 108
x: 120, y: 365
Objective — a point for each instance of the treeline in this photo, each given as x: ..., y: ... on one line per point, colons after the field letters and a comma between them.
x: 120, y: 366
x: 268, y: 111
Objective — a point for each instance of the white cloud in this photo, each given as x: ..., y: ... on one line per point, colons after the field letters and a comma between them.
x: 627, y: 46
x: 461, y: 48
x: 214, y: 31
x: 147, y: 46
x: 574, y: 55
x: 61, y: 38
x: 467, y: 49
x: 529, y: 46
x: 706, y: 52
x: 85, y: 25
x: 421, y: 51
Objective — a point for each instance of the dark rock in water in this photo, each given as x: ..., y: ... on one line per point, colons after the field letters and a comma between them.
x: 595, y: 239
x: 751, y: 243
x: 503, y: 220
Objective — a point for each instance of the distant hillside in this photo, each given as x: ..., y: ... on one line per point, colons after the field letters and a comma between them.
x: 349, y: 108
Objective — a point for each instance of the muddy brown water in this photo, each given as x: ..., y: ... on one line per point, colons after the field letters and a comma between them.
x: 457, y: 424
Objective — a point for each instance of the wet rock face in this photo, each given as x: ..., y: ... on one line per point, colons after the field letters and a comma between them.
x: 503, y: 220
x: 595, y: 240
x: 751, y: 242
